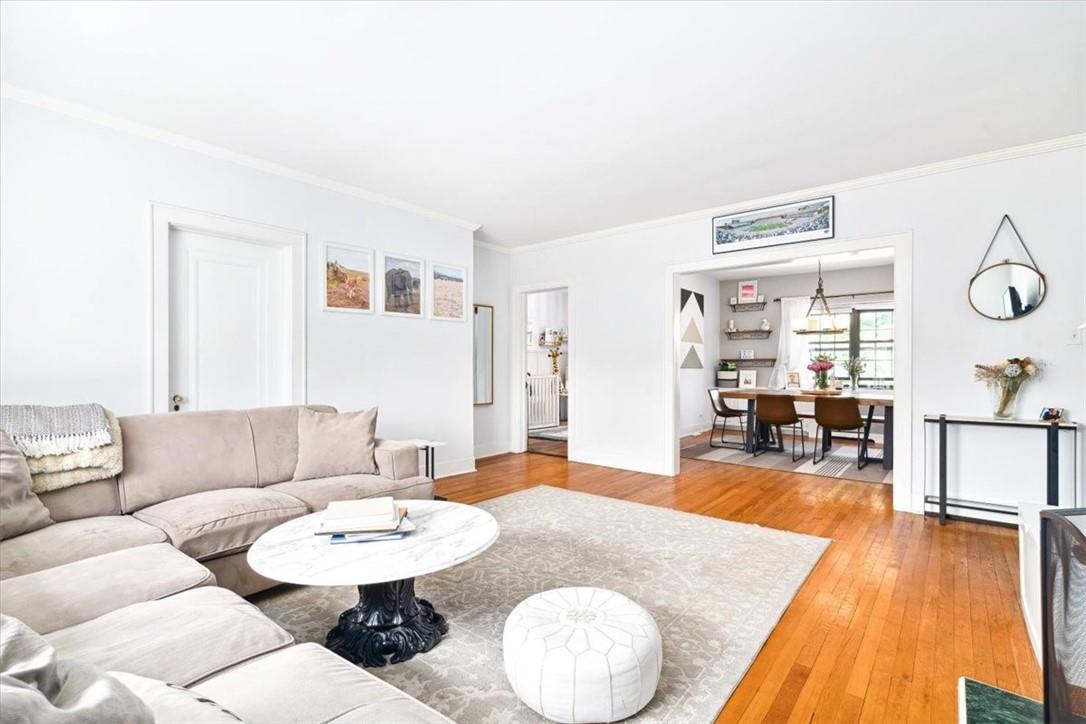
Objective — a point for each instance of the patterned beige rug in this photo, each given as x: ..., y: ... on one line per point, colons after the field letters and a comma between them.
x: 716, y: 589
x: 840, y: 462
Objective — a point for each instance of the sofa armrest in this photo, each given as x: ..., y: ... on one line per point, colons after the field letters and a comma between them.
x: 397, y: 460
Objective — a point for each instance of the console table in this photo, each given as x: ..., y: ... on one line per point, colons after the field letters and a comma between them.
x: 1052, y: 458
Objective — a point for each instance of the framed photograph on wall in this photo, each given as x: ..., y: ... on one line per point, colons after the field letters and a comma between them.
x: 402, y: 286
x: 448, y: 292
x: 348, y: 278
x: 746, y: 354
x: 785, y: 224
x: 748, y: 379
x: 748, y: 291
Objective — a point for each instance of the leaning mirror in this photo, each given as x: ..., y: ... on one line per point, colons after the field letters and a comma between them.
x: 1007, y: 291
x: 484, y: 354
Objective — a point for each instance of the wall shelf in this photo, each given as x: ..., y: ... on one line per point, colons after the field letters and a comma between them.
x: 756, y: 362
x: 748, y: 333
x: 819, y: 331
x: 748, y: 307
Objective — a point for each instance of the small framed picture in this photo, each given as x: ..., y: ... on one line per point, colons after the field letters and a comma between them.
x: 791, y: 380
x: 348, y: 279
x: 734, y: 300
x: 1052, y: 414
x: 746, y: 354
x: 402, y: 286
x: 448, y: 292
x: 748, y: 379
x: 748, y: 291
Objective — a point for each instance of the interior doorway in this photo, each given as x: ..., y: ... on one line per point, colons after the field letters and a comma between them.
x: 229, y: 314
x: 546, y: 371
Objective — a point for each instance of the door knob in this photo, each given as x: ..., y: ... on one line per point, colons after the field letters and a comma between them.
x: 177, y: 400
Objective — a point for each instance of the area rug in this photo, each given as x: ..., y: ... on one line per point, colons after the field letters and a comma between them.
x: 715, y: 588
x: 550, y: 433
x: 839, y: 463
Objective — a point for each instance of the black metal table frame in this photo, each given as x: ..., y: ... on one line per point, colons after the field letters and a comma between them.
x: 1052, y: 458
x: 887, y: 459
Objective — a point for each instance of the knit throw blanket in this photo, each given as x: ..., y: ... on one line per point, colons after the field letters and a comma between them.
x: 38, y: 430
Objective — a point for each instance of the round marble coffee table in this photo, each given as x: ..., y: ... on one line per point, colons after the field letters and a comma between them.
x: 389, y: 624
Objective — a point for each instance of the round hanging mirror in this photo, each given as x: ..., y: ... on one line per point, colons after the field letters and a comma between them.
x: 1008, y: 290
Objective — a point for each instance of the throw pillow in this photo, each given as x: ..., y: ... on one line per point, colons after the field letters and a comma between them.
x: 335, y: 443
x: 20, y: 510
x: 175, y: 704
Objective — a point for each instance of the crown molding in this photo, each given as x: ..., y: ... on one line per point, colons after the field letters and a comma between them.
x: 1004, y: 154
x: 498, y: 248
x: 75, y: 110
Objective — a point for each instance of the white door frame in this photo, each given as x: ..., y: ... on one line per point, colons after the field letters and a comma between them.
x: 164, y: 218
x: 906, y: 427
x: 519, y: 365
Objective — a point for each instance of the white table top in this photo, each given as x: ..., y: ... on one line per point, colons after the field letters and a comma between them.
x: 446, y: 534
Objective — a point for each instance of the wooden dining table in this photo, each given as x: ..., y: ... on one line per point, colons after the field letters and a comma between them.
x: 864, y: 398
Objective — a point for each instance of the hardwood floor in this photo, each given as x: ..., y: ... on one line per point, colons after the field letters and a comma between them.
x: 897, y: 609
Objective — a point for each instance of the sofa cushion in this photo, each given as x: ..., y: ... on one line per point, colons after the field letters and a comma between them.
x: 38, y: 686
x: 397, y: 460
x: 308, y: 684
x: 275, y: 436
x: 73, y: 540
x: 65, y: 595
x: 180, y: 639
x: 218, y: 522
x: 318, y: 492
x: 175, y: 704
x: 234, y: 572
x: 20, y: 510
x: 100, y: 497
x: 335, y: 443
x: 168, y: 456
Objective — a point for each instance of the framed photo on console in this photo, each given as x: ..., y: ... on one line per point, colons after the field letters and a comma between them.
x: 785, y: 224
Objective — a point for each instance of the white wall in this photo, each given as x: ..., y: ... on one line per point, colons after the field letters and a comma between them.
x: 620, y: 307
x: 695, y: 413
x: 836, y: 281
x: 75, y: 278
x: 492, y: 287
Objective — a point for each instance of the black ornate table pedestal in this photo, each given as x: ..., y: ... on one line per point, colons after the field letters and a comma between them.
x: 387, y: 626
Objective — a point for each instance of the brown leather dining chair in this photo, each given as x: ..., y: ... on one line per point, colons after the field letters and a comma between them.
x: 840, y: 413
x: 721, y: 411
x: 775, y: 411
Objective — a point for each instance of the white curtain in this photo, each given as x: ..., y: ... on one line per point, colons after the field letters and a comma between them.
x: 791, y: 348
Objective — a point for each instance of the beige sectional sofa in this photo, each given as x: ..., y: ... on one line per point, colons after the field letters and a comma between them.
x: 144, y: 573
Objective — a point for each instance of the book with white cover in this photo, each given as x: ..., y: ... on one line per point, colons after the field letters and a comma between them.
x: 406, y: 526
x: 383, y: 522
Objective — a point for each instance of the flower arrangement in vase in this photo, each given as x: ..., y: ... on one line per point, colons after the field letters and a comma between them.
x: 821, y: 366
x: 1004, y: 379
x: 855, y: 367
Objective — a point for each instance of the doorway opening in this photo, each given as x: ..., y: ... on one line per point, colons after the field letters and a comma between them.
x: 546, y: 371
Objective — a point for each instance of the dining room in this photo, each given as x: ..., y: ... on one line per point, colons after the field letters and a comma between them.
x: 799, y: 366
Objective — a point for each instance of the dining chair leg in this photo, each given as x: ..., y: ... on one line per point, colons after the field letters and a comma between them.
x: 712, y: 431
x: 802, y: 442
x: 861, y: 449
x: 818, y: 445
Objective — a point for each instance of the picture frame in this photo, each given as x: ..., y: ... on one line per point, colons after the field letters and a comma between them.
x: 793, y: 223
x: 748, y: 291
x: 748, y: 379
x: 746, y: 354
x: 448, y: 292
x: 403, y: 286
x: 349, y: 279
x: 792, y: 380
x: 1051, y: 414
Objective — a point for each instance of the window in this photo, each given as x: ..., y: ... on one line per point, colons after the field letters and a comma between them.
x: 865, y: 333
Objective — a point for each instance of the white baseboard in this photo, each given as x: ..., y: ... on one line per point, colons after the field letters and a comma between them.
x: 695, y: 429
x: 445, y: 468
x: 617, y: 460
x: 489, y: 450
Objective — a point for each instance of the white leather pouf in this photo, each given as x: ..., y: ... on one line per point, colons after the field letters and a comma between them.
x: 582, y: 655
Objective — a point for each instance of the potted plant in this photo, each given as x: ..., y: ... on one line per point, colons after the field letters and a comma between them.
x: 1004, y: 379
x: 821, y: 366
x: 855, y: 368
x: 728, y: 371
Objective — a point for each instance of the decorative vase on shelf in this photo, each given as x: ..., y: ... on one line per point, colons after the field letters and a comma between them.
x: 1004, y: 400
x: 1004, y: 380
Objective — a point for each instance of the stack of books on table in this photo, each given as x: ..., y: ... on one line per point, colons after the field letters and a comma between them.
x: 360, y: 521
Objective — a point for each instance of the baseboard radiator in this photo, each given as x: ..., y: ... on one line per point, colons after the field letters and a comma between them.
x: 542, y: 402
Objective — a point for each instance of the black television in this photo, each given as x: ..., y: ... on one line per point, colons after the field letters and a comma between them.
x: 1063, y: 615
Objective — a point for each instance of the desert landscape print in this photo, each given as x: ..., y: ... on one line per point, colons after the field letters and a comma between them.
x: 347, y: 274
x: 448, y: 292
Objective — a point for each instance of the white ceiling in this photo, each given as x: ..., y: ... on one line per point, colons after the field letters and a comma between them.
x: 543, y: 120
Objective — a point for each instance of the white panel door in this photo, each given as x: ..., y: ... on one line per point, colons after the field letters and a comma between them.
x: 230, y: 309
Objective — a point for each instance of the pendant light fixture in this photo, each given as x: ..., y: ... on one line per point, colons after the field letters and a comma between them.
x: 820, y: 296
